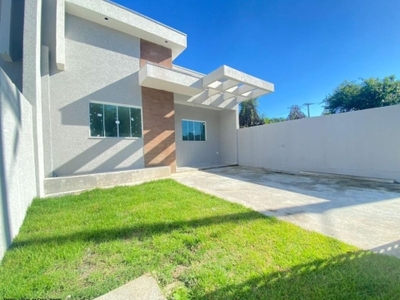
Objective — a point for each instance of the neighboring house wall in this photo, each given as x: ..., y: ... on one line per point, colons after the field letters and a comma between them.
x: 361, y: 143
x: 17, y: 167
x: 11, y: 29
x: 192, y: 153
x: 101, y: 66
x: 11, y: 32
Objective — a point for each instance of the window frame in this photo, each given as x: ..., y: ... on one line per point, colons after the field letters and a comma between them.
x: 116, y: 137
x: 199, y: 121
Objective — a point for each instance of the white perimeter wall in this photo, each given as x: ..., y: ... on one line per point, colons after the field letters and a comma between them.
x: 17, y: 166
x: 362, y: 143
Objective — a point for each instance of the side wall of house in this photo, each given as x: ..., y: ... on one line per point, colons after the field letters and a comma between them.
x: 229, y: 123
x: 101, y: 66
x: 191, y: 153
x: 361, y: 143
x: 17, y: 166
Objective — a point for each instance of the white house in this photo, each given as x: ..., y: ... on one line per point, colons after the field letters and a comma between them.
x: 89, y: 87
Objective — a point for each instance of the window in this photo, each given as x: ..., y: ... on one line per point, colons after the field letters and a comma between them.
x: 193, y: 130
x: 114, y: 121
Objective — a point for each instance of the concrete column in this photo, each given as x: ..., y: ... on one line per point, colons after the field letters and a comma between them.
x: 228, y: 136
x: 31, y: 82
x: 60, y: 34
x: 46, y: 117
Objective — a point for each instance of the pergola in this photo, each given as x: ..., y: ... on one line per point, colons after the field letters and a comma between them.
x: 223, y: 88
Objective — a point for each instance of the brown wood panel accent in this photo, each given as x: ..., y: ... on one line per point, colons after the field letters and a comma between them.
x: 158, y: 128
x: 155, y: 53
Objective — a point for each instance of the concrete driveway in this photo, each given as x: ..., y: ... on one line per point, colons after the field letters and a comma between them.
x: 362, y: 213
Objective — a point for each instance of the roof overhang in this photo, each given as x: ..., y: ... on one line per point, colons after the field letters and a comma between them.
x: 117, y: 17
x: 161, y: 78
x: 223, y: 88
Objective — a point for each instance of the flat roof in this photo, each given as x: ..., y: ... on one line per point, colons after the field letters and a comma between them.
x: 115, y: 16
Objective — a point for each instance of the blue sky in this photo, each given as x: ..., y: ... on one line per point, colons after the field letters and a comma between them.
x: 306, y: 48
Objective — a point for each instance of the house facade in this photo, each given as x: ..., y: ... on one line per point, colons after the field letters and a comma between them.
x: 105, y: 95
x: 110, y: 95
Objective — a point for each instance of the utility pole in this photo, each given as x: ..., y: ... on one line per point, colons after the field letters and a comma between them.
x: 308, y: 107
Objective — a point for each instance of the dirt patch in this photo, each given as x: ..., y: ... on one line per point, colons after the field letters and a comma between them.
x: 179, y: 270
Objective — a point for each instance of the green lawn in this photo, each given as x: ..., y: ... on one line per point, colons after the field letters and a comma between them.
x: 197, y: 246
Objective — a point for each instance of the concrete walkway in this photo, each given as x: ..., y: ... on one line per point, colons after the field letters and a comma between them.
x: 143, y: 288
x: 362, y: 213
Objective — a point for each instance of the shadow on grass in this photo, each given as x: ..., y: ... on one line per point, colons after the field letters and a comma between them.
x: 356, y: 275
x: 142, y: 231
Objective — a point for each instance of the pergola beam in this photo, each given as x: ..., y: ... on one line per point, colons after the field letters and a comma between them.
x: 223, y: 88
x: 228, y: 84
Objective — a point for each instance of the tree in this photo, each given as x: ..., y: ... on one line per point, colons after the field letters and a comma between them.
x: 248, y: 115
x: 274, y: 120
x: 295, y: 113
x: 369, y: 93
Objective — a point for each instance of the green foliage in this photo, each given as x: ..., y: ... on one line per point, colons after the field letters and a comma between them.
x: 295, y: 113
x: 197, y: 246
x: 369, y: 93
x: 274, y: 120
x: 248, y: 114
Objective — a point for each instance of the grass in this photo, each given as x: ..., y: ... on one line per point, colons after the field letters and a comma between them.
x: 197, y: 246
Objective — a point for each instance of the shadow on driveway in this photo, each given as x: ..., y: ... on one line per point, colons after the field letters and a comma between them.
x: 363, y: 213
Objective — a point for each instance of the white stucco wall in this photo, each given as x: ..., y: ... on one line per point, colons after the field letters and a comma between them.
x: 102, y: 66
x: 192, y: 153
x: 229, y: 123
x: 17, y: 167
x: 31, y: 85
x: 361, y: 143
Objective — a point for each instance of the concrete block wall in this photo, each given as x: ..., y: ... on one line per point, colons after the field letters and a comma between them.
x: 17, y: 165
x: 361, y: 143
